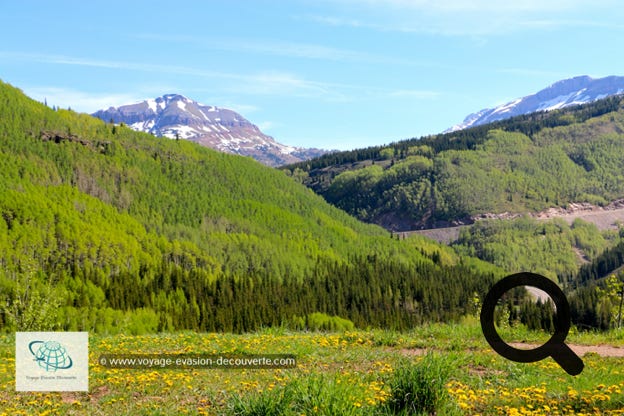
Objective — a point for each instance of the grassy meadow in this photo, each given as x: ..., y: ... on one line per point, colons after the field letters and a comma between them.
x: 443, y: 369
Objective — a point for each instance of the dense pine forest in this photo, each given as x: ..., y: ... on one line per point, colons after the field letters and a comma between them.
x: 110, y: 230
x: 524, y: 164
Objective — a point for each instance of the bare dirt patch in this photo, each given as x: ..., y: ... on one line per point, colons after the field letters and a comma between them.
x: 99, y: 392
x: 581, y: 350
x: 442, y: 235
x: 413, y: 351
x: 604, y: 218
x: 479, y: 370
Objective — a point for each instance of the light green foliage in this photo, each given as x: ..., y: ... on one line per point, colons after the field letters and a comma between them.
x: 387, y: 153
x: 31, y: 304
x: 422, y: 150
x: 321, y: 322
x: 551, y: 248
x: 610, y: 298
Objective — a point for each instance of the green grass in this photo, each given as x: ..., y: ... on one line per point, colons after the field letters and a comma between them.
x: 441, y: 369
x: 420, y: 388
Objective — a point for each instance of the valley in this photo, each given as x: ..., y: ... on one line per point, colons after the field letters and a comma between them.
x: 130, y: 233
x: 100, y: 208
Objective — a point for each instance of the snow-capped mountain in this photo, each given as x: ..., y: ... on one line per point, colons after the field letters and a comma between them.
x: 176, y: 116
x: 577, y: 90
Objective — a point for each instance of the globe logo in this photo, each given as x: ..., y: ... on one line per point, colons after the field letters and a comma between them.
x: 50, y: 355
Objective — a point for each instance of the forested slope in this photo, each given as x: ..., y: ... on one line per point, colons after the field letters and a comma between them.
x: 103, y: 228
x: 524, y: 164
x: 551, y: 248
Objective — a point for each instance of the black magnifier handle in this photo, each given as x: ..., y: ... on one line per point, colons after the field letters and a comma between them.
x: 567, y: 359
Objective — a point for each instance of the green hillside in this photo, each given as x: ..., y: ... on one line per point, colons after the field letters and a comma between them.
x: 103, y: 228
x: 551, y: 248
x: 524, y: 164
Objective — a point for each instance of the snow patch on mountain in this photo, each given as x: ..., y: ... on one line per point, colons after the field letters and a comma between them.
x: 152, y: 105
x: 573, y: 91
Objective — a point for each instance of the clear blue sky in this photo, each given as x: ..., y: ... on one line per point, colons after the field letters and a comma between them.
x: 330, y: 74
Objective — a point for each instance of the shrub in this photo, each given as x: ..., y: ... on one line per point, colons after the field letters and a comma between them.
x: 321, y: 322
x: 315, y: 394
x: 326, y: 396
x: 267, y: 403
x: 419, y: 388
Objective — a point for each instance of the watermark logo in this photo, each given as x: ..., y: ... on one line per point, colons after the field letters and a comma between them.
x: 52, y: 361
x: 50, y: 355
x: 225, y: 361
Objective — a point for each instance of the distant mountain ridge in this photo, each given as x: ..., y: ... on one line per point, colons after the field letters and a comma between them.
x: 524, y: 164
x: 176, y: 116
x: 572, y: 91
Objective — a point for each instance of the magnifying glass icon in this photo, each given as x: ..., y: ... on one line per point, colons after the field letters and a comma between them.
x: 554, y: 347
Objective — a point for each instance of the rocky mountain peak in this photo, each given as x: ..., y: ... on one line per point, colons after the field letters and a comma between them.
x: 176, y: 116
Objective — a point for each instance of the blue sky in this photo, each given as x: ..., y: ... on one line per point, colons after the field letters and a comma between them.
x: 335, y: 74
